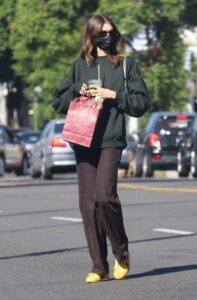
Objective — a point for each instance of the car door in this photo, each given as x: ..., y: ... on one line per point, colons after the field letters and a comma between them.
x: 39, y: 149
x: 12, y: 150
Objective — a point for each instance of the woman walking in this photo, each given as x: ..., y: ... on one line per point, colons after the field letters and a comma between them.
x: 97, y: 166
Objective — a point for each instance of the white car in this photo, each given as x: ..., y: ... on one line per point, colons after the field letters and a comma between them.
x: 51, y: 154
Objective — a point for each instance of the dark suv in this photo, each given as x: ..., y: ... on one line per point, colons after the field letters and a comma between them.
x: 187, y: 152
x: 158, y: 146
x: 13, y: 155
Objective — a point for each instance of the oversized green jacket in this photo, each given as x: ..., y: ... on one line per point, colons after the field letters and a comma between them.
x: 134, y: 101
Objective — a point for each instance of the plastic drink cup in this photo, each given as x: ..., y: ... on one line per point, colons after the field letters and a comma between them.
x: 91, y: 84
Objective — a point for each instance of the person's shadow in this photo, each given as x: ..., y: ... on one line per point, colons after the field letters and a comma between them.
x: 162, y: 271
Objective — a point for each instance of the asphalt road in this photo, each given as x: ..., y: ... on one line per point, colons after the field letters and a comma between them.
x: 43, y: 252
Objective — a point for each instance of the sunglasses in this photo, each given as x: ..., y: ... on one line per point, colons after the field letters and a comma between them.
x: 104, y: 33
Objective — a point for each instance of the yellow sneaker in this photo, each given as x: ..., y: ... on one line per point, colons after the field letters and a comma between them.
x: 94, y: 277
x: 120, y: 269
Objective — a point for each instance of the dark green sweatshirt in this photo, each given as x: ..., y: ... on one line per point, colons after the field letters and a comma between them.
x: 135, y: 101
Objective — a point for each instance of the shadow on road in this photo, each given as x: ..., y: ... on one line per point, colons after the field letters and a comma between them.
x: 85, y: 248
x: 178, y: 236
x: 162, y: 271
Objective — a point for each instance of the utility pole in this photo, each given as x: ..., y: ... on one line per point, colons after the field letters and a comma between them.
x: 37, y: 90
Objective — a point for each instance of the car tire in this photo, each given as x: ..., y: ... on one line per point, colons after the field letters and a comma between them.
x: 138, y: 166
x: 147, y: 166
x: 46, y: 173
x: 194, y: 164
x: 2, y: 167
x: 182, y: 170
x: 34, y: 173
x: 23, y: 167
x: 138, y: 172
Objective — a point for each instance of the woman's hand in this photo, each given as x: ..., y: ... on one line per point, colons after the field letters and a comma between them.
x: 84, y: 90
x: 104, y: 93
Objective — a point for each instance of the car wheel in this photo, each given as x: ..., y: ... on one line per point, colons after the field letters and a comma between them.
x: 182, y: 170
x: 46, y: 172
x: 23, y: 168
x: 194, y: 164
x: 138, y: 166
x: 2, y: 167
x: 34, y: 173
x: 147, y: 166
x: 138, y: 172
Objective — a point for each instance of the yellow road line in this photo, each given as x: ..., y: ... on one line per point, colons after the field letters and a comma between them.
x: 139, y: 187
x: 142, y: 187
x: 5, y: 184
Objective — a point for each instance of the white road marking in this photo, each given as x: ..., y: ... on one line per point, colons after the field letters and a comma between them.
x: 173, y: 231
x: 67, y: 219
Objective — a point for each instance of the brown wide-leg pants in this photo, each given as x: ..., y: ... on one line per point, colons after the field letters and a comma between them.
x: 100, y: 206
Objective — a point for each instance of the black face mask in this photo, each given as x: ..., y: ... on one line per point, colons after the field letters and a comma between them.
x: 106, y: 43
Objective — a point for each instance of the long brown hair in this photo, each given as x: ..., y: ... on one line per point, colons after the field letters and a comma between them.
x: 89, y: 49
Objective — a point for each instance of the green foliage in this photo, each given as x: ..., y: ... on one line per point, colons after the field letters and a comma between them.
x: 193, y: 75
x: 189, y: 15
x: 39, y: 40
x: 7, y: 9
x: 124, y: 14
x: 42, y: 45
x: 131, y: 16
x: 162, y: 62
x: 46, y: 37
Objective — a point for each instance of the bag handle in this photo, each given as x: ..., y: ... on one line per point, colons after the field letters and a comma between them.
x: 125, y: 73
x: 99, y: 72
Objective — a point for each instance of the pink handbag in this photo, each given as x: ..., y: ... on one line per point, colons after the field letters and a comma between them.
x: 81, y: 121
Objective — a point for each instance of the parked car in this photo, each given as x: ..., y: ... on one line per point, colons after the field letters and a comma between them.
x: 29, y: 137
x: 13, y: 155
x: 158, y: 146
x: 51, y: 154
x: 187, y: 152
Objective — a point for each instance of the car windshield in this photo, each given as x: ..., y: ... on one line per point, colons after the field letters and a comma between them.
x: 29, y: 138
x: 174, y: 124
x: 59, y: 127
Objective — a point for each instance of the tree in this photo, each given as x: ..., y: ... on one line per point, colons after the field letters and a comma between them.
x: 39, y: 40
x: 46, y: 38
x: 6, y: 14
x: 162, y: 60
x: 189, y: 15
x: 16, y: 100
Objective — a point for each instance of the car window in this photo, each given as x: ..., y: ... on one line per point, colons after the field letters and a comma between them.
x: 46, y: 130
x: 1, y: 132
x: 195, y: 124
x: 29, y: 138
x: 151, y: 123
x: 7, y: 136
x: 59, y: 127
x: 173, y: 124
